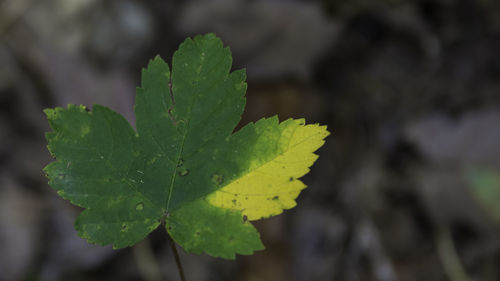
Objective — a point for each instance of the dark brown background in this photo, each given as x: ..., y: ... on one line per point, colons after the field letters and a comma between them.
x: 409, y: 89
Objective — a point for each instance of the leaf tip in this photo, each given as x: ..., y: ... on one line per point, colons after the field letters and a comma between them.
x: 49, y: 113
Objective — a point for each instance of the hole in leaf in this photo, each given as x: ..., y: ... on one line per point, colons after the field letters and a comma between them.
x: 139, y: 206
x: 217, y: 179
x: 183, y: 172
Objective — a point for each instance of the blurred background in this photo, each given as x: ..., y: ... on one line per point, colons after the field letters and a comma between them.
x: 406, y: 188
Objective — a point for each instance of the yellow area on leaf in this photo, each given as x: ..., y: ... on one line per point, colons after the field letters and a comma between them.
x: 270, y: 186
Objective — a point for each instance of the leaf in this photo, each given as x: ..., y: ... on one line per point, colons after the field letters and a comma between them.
x: 182, y: 166
x: 484, y: 184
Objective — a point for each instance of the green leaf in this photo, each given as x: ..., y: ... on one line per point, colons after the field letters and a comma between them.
x: 484, y: 184
x: 183, y: 165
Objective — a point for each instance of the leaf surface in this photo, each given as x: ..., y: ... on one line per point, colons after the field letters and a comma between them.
x: 182, y: 165
x: 484, y: 183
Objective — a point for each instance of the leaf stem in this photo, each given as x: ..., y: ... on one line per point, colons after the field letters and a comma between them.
x: 449, y: 257
x: 177, y: 258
